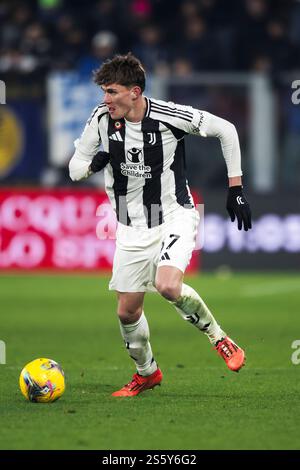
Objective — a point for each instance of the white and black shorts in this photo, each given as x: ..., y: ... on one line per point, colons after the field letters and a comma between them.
x: 140, y: 251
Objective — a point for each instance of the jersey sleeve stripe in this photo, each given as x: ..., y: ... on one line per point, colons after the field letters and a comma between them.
x: 99, y: 107
x: 148, y: 108
x: 173, y: 110
x: 172, y: 115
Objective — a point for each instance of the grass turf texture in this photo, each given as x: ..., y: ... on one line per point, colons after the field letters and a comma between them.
x: 201, y: 404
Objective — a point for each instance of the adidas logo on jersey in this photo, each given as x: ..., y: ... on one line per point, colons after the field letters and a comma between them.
x: 116, y: 136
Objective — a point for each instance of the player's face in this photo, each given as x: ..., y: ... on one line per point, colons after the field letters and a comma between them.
x: 119, y: 100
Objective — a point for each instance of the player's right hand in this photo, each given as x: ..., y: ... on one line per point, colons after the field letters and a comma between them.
x: 237, y: 206
x: 100, y: 160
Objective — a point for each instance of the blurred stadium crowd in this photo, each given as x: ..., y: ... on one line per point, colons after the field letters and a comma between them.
x: 238, y: 59
x: 174, y: 39
x: 170, y: 37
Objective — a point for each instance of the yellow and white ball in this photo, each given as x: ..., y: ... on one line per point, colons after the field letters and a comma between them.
x: 42, y: 381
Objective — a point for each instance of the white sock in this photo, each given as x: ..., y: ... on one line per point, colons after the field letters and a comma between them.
x: 193, y: 309
x: 136, y: 336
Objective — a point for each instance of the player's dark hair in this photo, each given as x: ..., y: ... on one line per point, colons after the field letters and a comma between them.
x: 124, y: 70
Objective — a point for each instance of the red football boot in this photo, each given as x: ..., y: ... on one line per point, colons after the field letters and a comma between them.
x: 232, y: 354
x: 139, y: 384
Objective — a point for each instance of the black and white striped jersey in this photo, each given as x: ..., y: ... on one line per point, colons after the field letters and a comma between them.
x: 146, y: 179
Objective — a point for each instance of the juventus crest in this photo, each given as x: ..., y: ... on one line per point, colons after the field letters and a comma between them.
x: 152, y: 138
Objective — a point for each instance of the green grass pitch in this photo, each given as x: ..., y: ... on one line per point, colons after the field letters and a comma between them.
x: 200, y: 405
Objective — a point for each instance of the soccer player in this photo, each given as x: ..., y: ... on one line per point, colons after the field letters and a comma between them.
x: 144, y: 171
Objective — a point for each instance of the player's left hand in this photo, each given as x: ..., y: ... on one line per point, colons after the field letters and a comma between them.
x: 237, y: 206
x: 100, y: 160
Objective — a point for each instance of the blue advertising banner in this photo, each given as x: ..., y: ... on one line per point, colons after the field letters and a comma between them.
x: 22, y: 149
x: 71, y: 99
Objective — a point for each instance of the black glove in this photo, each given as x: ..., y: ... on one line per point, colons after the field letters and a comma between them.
x: 100, y: 160
x: 237, y: 205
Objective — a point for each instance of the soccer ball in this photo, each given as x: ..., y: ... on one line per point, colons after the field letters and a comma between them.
x: 42, y: 381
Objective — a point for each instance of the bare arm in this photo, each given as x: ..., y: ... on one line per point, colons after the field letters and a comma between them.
x: 235, y: 181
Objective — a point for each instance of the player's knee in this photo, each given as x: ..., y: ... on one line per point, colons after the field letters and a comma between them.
x: 128, y: 314
x: 170, y: 291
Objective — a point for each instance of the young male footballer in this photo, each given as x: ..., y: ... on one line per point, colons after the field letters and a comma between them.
x: 144, y: 169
